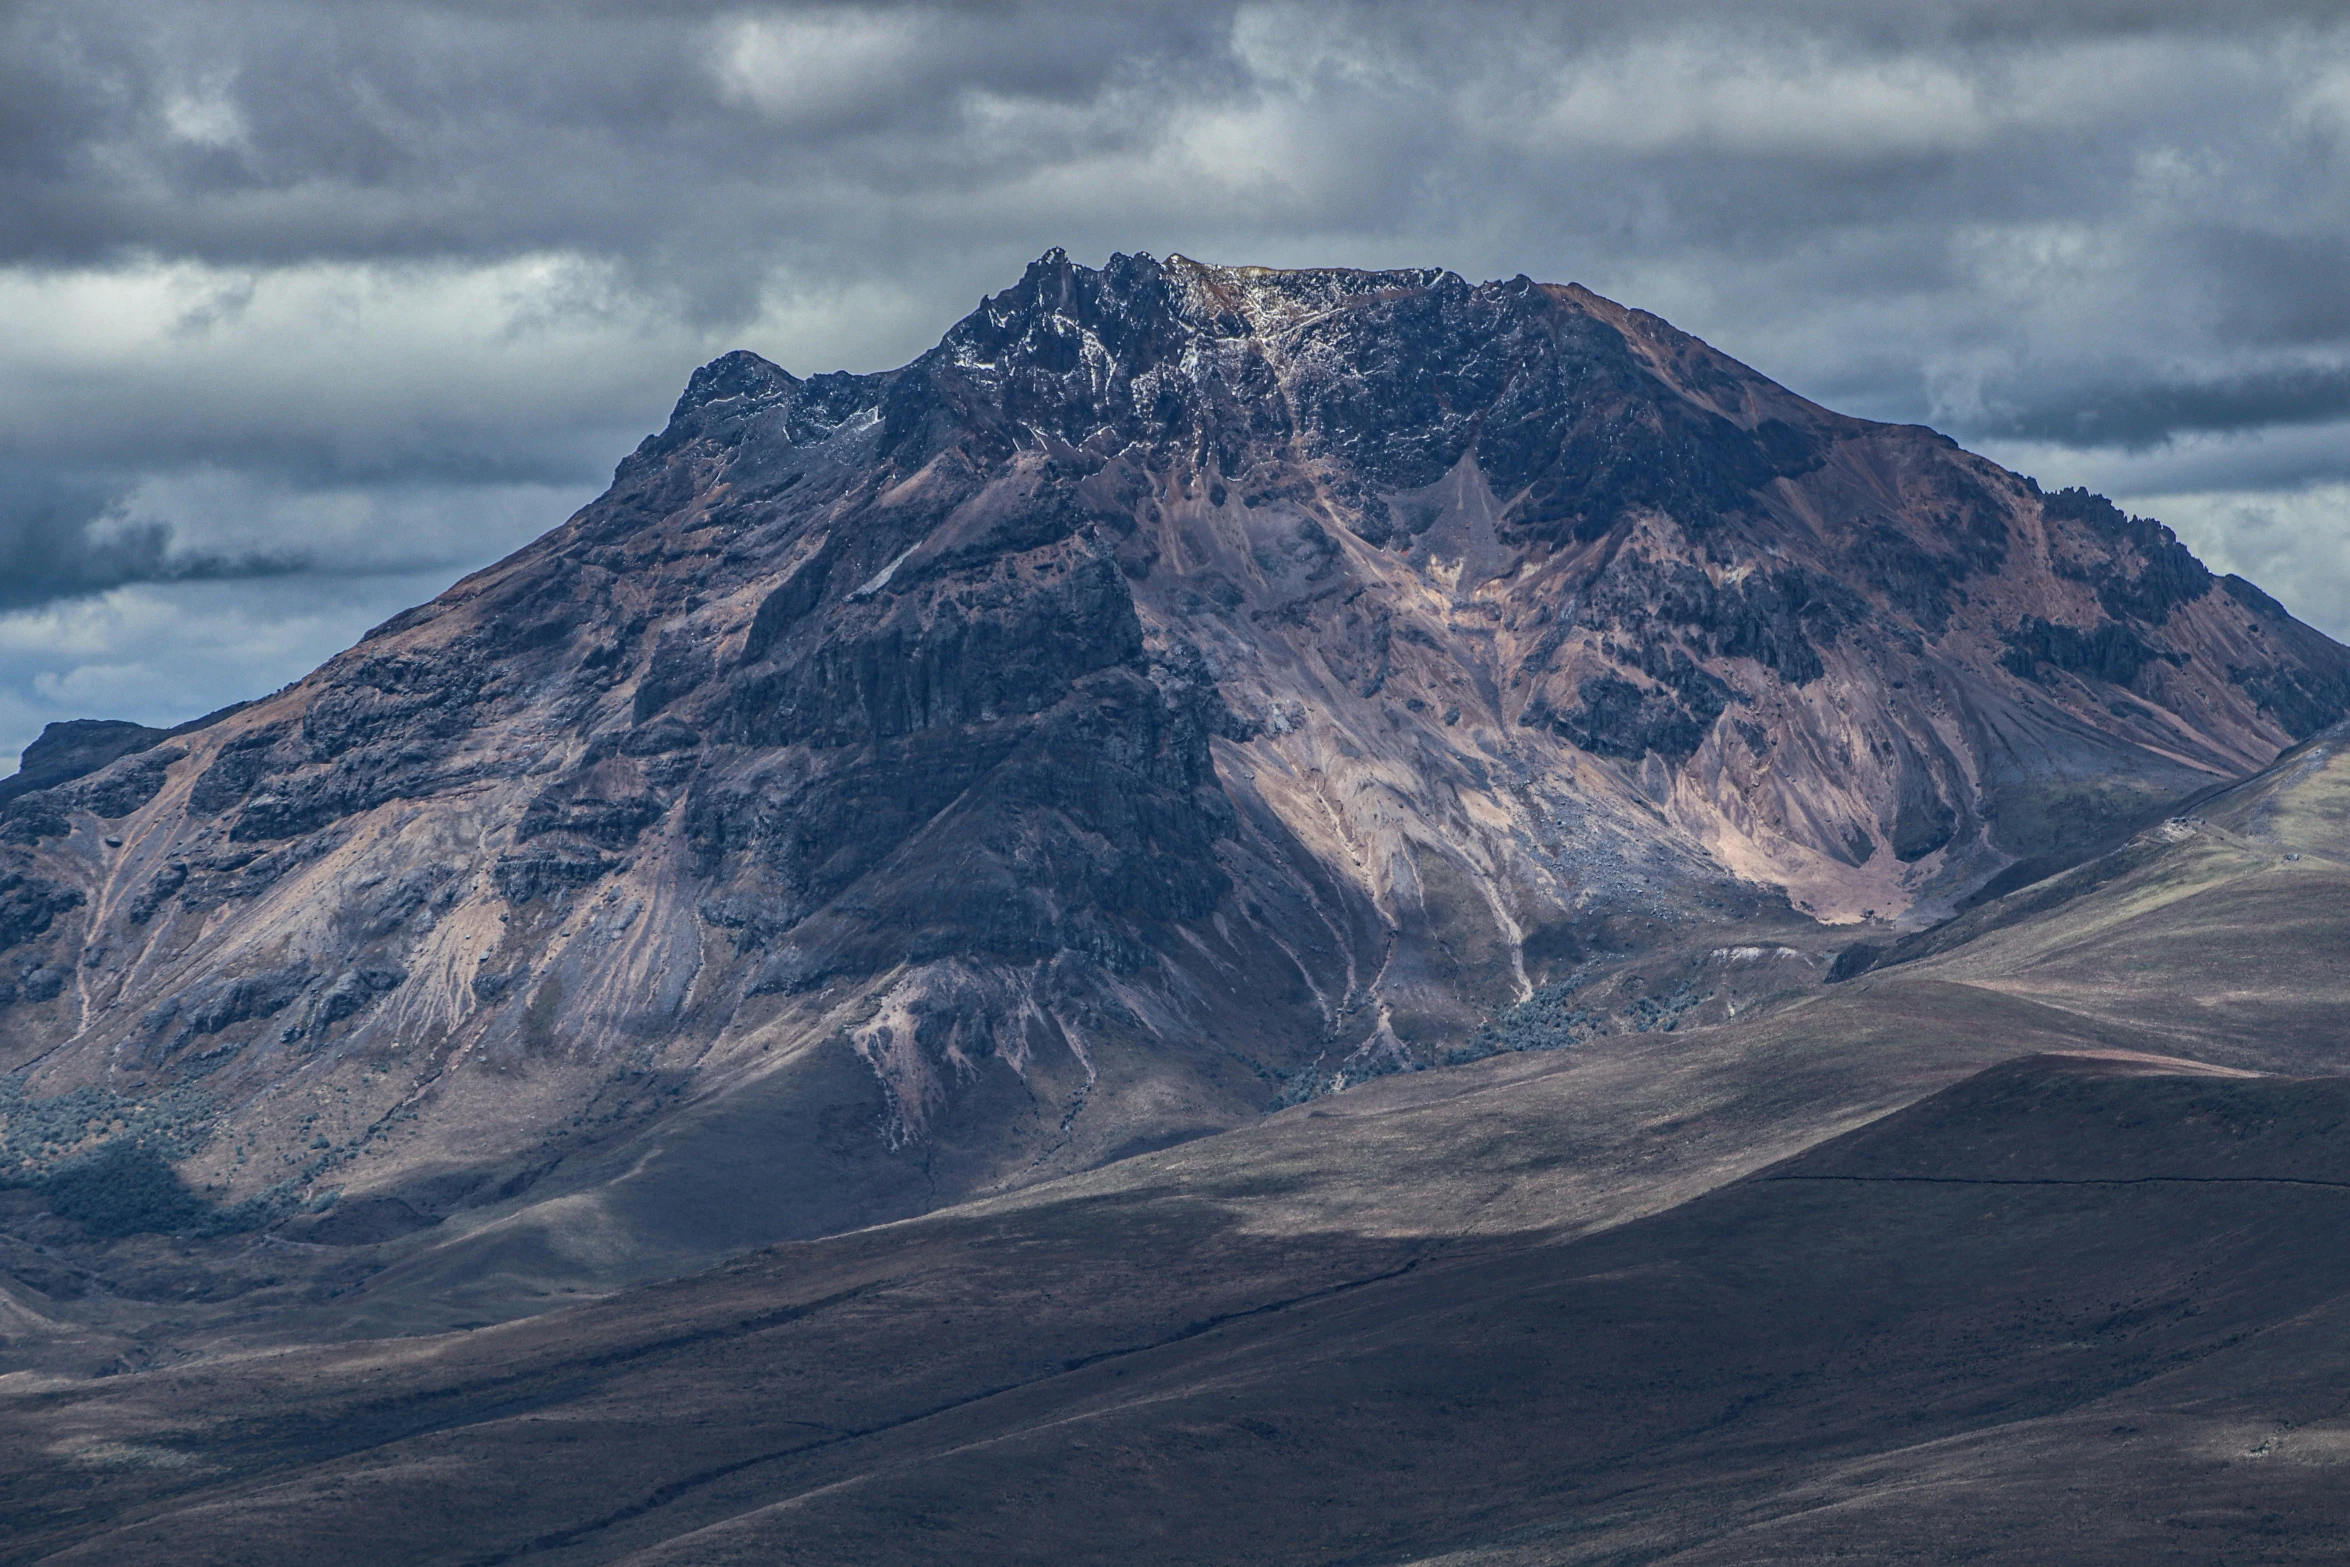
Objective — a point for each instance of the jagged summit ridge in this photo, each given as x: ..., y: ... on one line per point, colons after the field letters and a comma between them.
x: 1394, y: 376
x: 1183, y: 687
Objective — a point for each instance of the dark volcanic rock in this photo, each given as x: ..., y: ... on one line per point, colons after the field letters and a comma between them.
x: 2306, y: 690
x: 2161, y: 575
x: 28, y: 904
x: 2112, y: 652
x: 227, y: 1001
x: 74, y: 749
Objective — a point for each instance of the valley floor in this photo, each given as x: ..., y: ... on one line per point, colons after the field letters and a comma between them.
x: 2081, y: 1302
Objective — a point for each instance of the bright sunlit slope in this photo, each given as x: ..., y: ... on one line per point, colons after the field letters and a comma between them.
x: 2223, y: 933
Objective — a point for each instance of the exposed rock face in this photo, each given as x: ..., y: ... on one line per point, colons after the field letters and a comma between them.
x: 1179, y: 677
x: 75, y: 749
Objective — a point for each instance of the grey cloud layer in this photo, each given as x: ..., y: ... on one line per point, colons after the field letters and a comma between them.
x: 53, y: 541
x: 2119, y: 161
x: 331, y: 285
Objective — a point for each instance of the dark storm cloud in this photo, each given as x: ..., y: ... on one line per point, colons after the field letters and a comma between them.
x: 1805, y: 154
x: 704, y: 145
x: 2144, y: 415
x: 263, y: 133
x: 50, y: 546
x: 256, y: 133
x: 60, y: 538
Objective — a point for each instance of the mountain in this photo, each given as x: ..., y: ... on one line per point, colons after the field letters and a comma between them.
x: 1185, y: 690
x: 1244, y: 915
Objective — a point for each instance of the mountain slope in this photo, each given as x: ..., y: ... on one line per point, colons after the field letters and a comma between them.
x: 1185, y: 687
x: 2218, y: 933
x: 1941, y: 1263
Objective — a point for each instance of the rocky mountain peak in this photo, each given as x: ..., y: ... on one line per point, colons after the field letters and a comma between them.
x: 1184, y: 688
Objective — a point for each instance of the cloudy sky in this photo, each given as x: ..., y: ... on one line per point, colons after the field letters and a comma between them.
x: 306, y: 308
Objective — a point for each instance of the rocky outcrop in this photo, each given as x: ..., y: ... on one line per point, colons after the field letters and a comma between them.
x: 75, y: 749
x: 1182, y: 684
